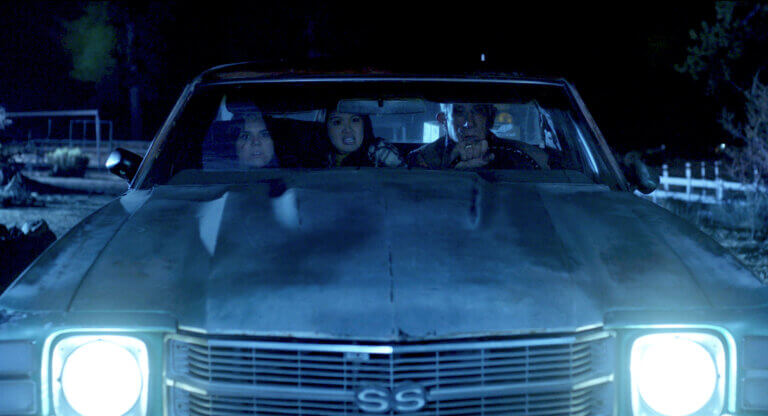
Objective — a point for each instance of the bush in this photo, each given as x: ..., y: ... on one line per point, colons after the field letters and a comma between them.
x: 68, y: 161
x: 748, y: 216
x: 749, y: 163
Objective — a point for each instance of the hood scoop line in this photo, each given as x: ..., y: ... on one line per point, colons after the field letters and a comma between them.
x: 209, y: 222
x: 475, y: 208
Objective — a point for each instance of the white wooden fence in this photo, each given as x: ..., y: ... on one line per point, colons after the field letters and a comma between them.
x: 701, y: 189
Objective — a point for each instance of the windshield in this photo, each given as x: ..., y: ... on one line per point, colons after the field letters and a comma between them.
x: 449, y: 125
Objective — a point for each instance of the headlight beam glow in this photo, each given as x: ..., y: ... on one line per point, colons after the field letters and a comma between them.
x: 100, y: 376
x: 675, y: 375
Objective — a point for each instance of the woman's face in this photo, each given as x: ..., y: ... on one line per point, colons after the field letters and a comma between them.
x: 345, y: 131
x: 255, y: 148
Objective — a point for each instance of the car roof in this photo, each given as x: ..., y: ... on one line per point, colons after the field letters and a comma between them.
x: 256, y: 71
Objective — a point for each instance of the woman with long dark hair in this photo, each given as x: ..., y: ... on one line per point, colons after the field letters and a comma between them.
x: 254, y: 145
x: 352, y: 142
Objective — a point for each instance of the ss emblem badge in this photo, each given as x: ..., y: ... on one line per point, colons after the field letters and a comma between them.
x: 404, y: 398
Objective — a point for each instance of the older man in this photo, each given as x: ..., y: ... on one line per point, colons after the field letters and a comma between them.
x: 469, y: 143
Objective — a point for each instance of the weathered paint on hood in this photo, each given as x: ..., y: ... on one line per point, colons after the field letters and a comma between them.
x: 371, y: 256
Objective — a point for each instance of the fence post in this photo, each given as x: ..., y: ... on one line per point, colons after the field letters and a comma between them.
x: 689, y: 183
x: 665, y: 176
x: 111, y: 145
x: 718, y: 182
x: 97, y: 130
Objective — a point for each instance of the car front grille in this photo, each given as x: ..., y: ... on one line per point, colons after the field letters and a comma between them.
x: 580, y: 403
x: 559, y: 375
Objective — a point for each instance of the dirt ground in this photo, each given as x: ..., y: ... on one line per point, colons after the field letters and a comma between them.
x: 61, y: 212
x: 70, y: 200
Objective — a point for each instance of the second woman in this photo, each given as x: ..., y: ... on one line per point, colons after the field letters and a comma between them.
x: 354, y: 144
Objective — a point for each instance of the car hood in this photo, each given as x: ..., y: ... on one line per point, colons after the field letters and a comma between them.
x: 361, y: 255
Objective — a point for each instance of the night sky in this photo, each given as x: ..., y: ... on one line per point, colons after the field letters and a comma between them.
x: 620, y: 55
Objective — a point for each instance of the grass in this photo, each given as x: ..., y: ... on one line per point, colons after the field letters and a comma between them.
x: 741, y: 228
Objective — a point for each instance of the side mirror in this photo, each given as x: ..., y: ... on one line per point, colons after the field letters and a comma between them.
x: 123, y: 163
x: 637, y: 173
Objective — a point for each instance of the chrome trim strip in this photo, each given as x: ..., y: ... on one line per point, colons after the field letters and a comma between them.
x: 193, y: 329
x: 384, y: 79
x: 455, y: 393
x: 590, y: 327
x: 265, y: 391
x: 393, y: 349
x: 585, y: 328
x: 593, y: 382
x: 268, y: 391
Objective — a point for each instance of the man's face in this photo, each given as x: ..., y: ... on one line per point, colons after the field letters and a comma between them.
x: 466, y: 122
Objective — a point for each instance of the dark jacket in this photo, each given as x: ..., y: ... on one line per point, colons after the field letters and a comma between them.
x: 508, y: 154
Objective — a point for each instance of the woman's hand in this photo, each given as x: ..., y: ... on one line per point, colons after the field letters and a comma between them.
x: 386, y: 155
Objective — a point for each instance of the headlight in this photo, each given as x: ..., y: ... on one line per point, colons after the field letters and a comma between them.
x: 100, y: 376
x: 677, y: 374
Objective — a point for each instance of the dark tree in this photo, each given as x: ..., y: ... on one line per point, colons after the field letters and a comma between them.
x: 726, y: 53
x: 117, y: 47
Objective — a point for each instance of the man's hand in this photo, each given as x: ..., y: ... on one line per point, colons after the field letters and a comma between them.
x: 472, y: 154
